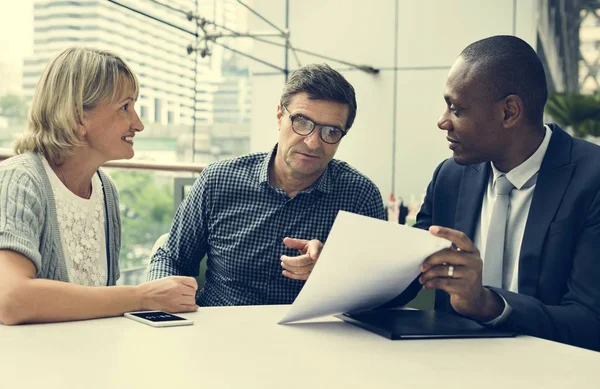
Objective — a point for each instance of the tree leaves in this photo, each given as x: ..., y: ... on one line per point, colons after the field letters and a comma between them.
x: 146, y: 202
x: 13, y: 106
x: 580, y: 112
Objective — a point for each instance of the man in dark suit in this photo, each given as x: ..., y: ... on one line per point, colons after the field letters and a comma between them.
x: 547, y: 277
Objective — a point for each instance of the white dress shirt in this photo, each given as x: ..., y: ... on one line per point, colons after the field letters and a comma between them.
x: 524, y: 178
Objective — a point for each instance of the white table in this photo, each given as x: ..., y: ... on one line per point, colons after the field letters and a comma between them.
x: 243, y: 347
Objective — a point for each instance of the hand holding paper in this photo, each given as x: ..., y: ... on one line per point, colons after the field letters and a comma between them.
x: 366, y: 262
x: 467, y: 295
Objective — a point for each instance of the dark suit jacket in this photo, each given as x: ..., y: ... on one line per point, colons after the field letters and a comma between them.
x: 559, y: 264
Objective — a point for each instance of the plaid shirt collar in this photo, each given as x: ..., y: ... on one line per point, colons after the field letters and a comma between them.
x: 323, y: 184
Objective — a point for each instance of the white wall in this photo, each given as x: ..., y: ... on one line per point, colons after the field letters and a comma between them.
x: 431, y: 34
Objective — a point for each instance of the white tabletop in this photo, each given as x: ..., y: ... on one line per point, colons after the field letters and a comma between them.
x: 243, y: 347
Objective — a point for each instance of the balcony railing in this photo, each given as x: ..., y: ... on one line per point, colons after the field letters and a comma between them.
x: 139, y: 165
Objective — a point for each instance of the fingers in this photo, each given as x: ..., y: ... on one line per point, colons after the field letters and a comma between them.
x: 185, y: 308
x: 456, y: 280
x: 438, y: 277
x: 297, y: 268
x: 311, y: 247
x: 458, y: 238
x: 314, y: 249
x: 442, y: 271
x: 449, y: 285
x: 293, y: 243
x: 300, y: 267
x: 295, y: 276
x: 187, y: 281
x: 171, y: 294
x: 445, y: 257
x: 186, y: 288
x: 299, y: 261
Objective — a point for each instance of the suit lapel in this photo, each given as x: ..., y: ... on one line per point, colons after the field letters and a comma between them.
x: 470, y: 197
x: 552, y: 182
x: 468, y: 208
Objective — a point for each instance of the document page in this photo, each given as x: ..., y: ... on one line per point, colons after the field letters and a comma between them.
x: 365, y: 262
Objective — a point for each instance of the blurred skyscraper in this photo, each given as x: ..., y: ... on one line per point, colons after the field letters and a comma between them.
x: 589, y: 35
x: 157, y: 53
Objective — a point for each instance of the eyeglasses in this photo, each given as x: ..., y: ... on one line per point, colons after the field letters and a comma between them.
x: 304, y: 127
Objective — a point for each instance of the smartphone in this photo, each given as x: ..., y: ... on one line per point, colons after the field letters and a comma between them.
x: 158, y: 319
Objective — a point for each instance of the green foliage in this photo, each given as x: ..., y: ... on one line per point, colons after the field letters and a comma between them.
x: 13, y: 106
x: 580, y: 112
x: 146, y: 201
x: 589, y: 4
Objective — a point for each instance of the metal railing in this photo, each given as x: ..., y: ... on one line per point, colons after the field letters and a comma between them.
x: 139, y: 165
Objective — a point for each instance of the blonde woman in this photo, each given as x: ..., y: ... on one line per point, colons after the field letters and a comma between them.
x: 59, y: 213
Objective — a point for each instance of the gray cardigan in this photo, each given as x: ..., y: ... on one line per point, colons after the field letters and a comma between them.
x: 28, y: 222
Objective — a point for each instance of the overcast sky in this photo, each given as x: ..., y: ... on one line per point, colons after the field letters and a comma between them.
x: 16, y: 30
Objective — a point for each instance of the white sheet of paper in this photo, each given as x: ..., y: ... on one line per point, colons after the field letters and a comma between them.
x: 365, y: 262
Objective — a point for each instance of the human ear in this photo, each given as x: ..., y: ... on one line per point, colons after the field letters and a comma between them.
x: 279, y: 115
x: 512, y: 110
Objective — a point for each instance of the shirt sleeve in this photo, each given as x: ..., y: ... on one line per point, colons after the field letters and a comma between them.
x: 505, y: 312
x: 22, y: 215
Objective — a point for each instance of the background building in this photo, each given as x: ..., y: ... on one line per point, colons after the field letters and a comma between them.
x: 589, y: 37
x: 156, y: 52
x: 204, y: 108
x: 169, y: 97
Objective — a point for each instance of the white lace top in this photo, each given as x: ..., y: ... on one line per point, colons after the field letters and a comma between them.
x: 82, y: 234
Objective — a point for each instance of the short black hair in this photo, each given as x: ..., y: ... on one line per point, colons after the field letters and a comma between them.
x: 321, y: 82
x: 510, y: 66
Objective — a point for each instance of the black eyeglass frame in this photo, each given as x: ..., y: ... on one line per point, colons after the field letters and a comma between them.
x: 314, y: 125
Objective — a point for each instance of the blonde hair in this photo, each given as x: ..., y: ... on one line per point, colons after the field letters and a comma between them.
x: 76, y: 80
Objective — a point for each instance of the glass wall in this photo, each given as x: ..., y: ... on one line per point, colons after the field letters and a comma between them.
x: 196, y: 109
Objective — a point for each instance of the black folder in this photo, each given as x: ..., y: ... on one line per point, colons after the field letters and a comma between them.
x: 396, y: 324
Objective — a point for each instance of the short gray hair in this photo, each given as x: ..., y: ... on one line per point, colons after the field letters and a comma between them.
x: 76, y: 80
x: 321, y: 82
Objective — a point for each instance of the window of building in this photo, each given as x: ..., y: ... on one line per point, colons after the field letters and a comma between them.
x: 157, y: 110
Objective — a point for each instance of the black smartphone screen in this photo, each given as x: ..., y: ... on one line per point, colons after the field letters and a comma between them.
x: 157, y: 316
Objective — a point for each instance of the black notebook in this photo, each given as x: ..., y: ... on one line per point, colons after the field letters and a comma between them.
x: 398, y: 324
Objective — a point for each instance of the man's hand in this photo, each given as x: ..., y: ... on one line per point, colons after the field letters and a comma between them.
x: 171, y: 294
x: 300, y: 267
x: 457, y: 270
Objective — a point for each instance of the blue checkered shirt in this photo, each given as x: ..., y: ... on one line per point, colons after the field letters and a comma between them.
x: 235, y: 216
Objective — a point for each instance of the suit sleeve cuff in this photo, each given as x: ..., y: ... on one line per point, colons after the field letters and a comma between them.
x: 498, y: 320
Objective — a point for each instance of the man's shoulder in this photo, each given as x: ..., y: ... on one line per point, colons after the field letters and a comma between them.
x: 585, y: 152
x: 449, y: 169
x: 578, y: 150
x: 585, y: 158
x: 583, y: 155
x: 343, y: 173
x: 242, y: 163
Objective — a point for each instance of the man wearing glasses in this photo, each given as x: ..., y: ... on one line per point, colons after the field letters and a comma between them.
x: 261, y: 218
